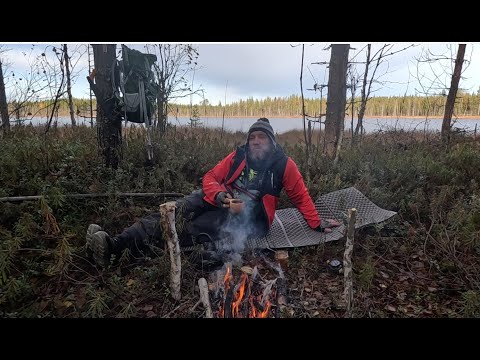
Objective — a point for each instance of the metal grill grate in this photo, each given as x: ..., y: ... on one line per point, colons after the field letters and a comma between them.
x: 289, y: 229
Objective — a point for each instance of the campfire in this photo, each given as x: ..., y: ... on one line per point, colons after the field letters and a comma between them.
x: 256, y: 290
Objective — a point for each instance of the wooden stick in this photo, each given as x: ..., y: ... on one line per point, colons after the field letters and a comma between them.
x: 281, y: 284
x: 167, y: 222
x: 347, y: 263
x: 203, y: 286
x: 85, y: 196
x: 281, y: 296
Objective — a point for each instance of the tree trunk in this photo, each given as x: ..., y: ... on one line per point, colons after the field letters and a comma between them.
x: 69, y: 84
x: 307, y: 131
x: 162, y: 112
x: 452, y: 93
x: 336, y: 98
x: 363, y: 102
x: 109, y: 124
x: 3, y: 103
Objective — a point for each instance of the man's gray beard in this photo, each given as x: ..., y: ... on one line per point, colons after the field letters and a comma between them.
x: 260, y: 155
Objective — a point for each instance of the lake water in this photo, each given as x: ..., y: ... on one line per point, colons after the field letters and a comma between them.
x: 281, y: 125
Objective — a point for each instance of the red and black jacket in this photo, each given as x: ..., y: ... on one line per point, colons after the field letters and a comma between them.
x: 282, y: 173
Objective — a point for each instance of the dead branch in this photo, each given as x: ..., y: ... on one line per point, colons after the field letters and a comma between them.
x: 204, y: 298
x: 86, y: 196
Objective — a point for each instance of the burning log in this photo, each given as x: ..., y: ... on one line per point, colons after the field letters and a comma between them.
x: 204, y: 297
x: 347, y: 262
x: 281, y: 257
x: 250, y: 296
x: 167, y: 222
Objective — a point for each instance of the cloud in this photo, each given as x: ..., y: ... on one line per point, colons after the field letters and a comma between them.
x: 253, y: 70
x: 260, y: 70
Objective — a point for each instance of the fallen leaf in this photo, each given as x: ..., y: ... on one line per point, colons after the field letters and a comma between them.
x: 418, y: 265
x: 308, y: 290
x: 67, y: 304
x: 44, y: 304
x: 431, y: 289
x: 147, y: 307
x: 391, y: 308
x: 130, y: 282
x: 80, y: 297
x: 151, y: 314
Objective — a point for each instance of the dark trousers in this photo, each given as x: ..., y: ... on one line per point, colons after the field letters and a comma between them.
x: 194, y: 217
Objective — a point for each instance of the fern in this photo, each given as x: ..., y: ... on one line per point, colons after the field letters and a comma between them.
x: 97, y: 305
x: 63, y: 257
x: 128, y: 311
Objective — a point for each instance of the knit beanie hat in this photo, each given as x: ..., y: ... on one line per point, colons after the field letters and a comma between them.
x: 263, y: 124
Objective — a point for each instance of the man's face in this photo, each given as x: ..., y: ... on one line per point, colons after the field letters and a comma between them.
x: 259, y: 145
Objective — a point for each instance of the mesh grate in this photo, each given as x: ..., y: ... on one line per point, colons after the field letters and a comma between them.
x: 289, y: 229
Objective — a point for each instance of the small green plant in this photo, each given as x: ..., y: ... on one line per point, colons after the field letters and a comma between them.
x: 63, y: 257
x: 128, y: 311
x: 470, y: 304
x: 97, y: 305
x: 366, y: 274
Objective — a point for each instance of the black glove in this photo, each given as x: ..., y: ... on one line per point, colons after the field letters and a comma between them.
x: 325, y: 224
x: 221, y: 198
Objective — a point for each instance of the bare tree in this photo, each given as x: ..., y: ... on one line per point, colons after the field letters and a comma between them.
x: 336, y: 99
x: 51, y: 70
x: 452, y: 93
x: 307, y: 130
x: 373, y: 66
x: 354, y: 81
x: 3, y: 101
x: 43, y: 81
x: 69, y: 83
x: 25, y: 87
x: 435, y: 74
x: 174, y: 62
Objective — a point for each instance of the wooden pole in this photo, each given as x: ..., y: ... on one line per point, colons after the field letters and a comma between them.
x: 347, y: 263
x: 167, y: 222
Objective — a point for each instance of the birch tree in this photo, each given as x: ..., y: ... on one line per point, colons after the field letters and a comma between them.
x: 174, y: 62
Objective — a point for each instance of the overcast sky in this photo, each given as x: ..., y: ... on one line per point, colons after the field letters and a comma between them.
x: 259, y: 70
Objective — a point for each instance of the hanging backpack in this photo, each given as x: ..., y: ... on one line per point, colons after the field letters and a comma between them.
x: 136, y: 81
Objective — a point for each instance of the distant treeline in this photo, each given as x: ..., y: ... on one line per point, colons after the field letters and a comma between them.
x: 400, y: 106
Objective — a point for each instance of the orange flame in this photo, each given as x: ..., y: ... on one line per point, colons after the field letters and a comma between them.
x: 242, y: 298
x: 239, y: 295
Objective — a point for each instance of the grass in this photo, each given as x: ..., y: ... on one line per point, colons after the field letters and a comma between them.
x: 424, y: 264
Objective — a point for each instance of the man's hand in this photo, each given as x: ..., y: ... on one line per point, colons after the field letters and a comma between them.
x: 327, y: 225
x: 222, y: 199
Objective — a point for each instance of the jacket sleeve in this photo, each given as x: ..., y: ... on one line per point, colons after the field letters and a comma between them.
x: 298, y: 194
x: 214, y: 179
